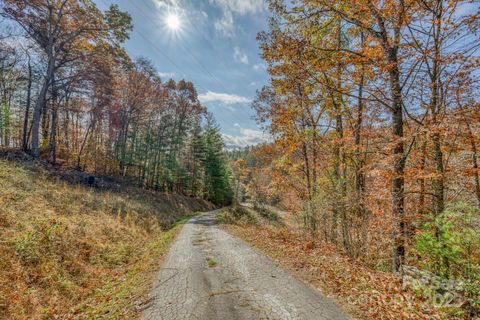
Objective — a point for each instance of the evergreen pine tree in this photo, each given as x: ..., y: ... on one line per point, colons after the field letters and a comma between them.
x: 217, y: 178
x: 197, y: 161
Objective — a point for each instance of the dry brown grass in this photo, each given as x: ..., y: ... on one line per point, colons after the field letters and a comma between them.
x: 74, y: 252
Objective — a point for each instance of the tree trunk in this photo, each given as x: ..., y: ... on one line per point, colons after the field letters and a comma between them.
x: 398, y: 192
x: 438, y: 182
x: 84, y: 142
x: 359, y: 175
x: 474, y: 163
x: 340, y: 167
x: 308, y: 218
x: 39, y: 106
x: 53, y: 135
x: 421, y: 202
x: 27, y: 109
x: 45, y: 123
x: 54, y: 124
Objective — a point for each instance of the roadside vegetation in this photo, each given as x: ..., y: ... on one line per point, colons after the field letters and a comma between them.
x: 72, y: 251
x: 365, y: 292
x: 373, y: 109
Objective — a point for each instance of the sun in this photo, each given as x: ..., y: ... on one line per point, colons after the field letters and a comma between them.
x: 173, y: 22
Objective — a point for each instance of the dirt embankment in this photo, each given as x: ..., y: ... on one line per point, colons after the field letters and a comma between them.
x: 167, y: 207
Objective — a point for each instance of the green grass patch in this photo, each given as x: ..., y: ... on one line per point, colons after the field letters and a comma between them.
x: 211, y: 263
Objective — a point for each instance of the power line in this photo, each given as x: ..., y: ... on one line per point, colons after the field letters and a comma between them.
x: 199, y: 62
x: 157, y: 48
x: 193, y: 56
x: 154, y: 46
x: 185, y: 48
x: 211, y: 46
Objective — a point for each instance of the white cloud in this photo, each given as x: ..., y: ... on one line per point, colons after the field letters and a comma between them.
x: 166, y: 3
x: 240, y: 56
x: 167, y: 75
x: 222, y: 97
x: 230, y: 8
x: 246, y: 137
x: 240, y: 6
x: 226, y: 25
x: 259, y: 66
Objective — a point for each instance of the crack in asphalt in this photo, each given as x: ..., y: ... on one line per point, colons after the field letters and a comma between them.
x: 242, y: 285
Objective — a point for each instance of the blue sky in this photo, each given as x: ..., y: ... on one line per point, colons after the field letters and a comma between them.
x: 215, y: 48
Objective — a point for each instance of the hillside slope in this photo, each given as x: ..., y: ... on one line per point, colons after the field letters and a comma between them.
x: 73, y: 251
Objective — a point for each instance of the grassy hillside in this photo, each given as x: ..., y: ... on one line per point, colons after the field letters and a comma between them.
x: 70, y: 251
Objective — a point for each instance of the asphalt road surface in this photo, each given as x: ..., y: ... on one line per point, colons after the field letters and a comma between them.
x: 209, y: 274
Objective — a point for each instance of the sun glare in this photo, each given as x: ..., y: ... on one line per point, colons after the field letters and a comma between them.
x: 173, y: 22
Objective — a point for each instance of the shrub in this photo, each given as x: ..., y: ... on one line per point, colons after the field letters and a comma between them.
x: 449, y: 246
x: 236, y: 214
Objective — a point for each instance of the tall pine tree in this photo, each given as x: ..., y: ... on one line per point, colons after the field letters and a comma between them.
x: 217, y: 177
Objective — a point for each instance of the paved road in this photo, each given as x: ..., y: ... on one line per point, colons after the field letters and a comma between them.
x: 208, y: 275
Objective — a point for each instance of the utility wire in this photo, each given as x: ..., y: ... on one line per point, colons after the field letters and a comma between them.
x: 242, y: 110
x: 154, y: 46
x: 157, y: 48
x: 211, y: 46
x: 184, y: 48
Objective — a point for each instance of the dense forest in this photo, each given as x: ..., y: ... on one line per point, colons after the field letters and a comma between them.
x: 72, y: 95
x: 375, y: 113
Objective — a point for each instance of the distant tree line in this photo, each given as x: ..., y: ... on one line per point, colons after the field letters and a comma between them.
x: 70, y: 93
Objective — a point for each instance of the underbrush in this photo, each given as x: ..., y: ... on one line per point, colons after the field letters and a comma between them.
x: 448, y: 246
x: 249, y: 216
x: 236, y: 214
x: 364, y: 292
x: 268, y: 214
x: 74, y: 252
